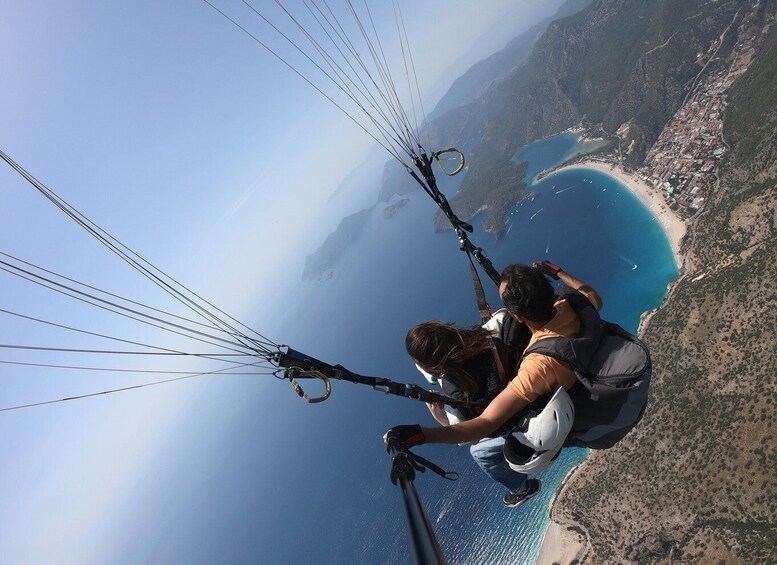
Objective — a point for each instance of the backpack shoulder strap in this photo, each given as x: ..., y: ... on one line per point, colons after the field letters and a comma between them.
x: 515, y: 335
x: 577, y: 351
x: 557, y: 347
x: 585, y: 310
x: 509, y: 346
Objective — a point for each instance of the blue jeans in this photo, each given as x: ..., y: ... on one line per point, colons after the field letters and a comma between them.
x: 489, y: 456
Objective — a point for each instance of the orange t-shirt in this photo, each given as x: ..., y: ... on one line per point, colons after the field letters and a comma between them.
x: 539, y: 374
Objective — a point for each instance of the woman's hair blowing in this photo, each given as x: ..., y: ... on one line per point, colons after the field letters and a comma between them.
x: 442, y: 349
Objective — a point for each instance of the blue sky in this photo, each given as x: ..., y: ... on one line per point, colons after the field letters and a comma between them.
x: 188, y: 142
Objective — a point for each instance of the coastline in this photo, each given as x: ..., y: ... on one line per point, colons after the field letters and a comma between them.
x: 674, y: 228
x: 561, y: 543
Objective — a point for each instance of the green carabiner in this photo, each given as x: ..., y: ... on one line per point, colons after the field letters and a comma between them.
x: 455, y: 162
x: 293, y: 372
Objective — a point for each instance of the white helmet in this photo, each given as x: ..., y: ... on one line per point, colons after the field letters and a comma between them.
x: 538, y: 447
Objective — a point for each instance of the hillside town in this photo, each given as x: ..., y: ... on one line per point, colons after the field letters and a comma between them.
x: 682, y: 162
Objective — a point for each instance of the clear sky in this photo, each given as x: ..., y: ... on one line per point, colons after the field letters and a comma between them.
x: 178, y: 134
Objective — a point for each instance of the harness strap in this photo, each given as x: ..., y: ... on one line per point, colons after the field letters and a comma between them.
x: 500, y: 368
x: 480, y: 296
x: 299, y: 365
x: 461, y: 228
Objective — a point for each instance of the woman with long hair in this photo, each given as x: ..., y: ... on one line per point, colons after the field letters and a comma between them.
x: 441, y: 348
x: 464, y: 362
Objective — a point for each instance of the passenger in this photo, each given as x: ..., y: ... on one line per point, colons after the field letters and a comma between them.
x: 531, y: 300
x: 462, y: 361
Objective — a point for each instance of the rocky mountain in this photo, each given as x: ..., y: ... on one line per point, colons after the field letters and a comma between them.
x: 499, y: 192
x: 619, y: 62
x: 483, y: 75
x: 697, y: 480
x: 321, y: 261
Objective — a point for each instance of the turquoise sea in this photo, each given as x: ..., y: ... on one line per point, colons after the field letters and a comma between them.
x: 319, y: 473
x: 551, y: 152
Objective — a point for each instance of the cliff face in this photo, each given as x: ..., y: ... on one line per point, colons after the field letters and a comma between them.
x: 483, y: 75
x: 696, y: 482
x: 624, y: 64
x: 618, y: 62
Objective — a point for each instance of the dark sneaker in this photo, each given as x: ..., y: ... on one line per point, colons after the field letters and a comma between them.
x: 532, y: 488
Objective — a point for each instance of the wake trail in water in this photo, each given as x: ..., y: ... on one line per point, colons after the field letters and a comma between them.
x: 445, y: 509
x: 627, y: 260
x: 535, y: 213
x: 565, y: 189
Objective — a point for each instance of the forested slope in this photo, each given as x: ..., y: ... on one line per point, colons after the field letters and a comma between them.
x: 696, y: 482
x: 624, y: 64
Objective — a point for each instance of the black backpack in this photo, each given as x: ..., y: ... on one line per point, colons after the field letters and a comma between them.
x: 613, y: 372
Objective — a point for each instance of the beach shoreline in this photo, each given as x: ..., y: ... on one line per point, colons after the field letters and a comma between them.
x: 564, y: 543
x: 674, y: 227
x: 560, y: 545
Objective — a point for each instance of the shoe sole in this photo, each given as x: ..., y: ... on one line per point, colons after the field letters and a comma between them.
x: 525, y: 498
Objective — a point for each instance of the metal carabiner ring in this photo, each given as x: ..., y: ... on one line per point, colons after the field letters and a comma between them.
x: 291, y: 372
x: 459, y: 167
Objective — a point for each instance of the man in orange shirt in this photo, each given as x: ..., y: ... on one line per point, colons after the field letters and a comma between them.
x: 531, y: 299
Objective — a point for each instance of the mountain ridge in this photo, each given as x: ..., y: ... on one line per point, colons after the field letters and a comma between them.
x: 695, y: 481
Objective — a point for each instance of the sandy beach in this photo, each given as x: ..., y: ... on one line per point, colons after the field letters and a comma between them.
x: 561, y: 545
x: 674, y: 227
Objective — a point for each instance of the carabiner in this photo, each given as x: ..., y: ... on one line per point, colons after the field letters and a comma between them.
x: 293, y: 372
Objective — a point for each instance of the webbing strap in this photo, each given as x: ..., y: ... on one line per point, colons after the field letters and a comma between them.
x: 303, y: 366
x: 404, y: 455
x: 480, y: 297
x: 501, y: 371
x: 461, y: 228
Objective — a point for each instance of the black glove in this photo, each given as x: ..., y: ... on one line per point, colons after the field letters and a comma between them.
x: 547, y: 268
x: 408, y: 435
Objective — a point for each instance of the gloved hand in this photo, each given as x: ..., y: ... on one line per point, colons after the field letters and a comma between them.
x: 547, y: 268
x: 407, y: 435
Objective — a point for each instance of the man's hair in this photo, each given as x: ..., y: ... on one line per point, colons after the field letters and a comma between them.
x: 528, y: 293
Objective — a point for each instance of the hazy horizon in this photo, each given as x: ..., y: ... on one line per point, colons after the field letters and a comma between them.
x: 182, y: 138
